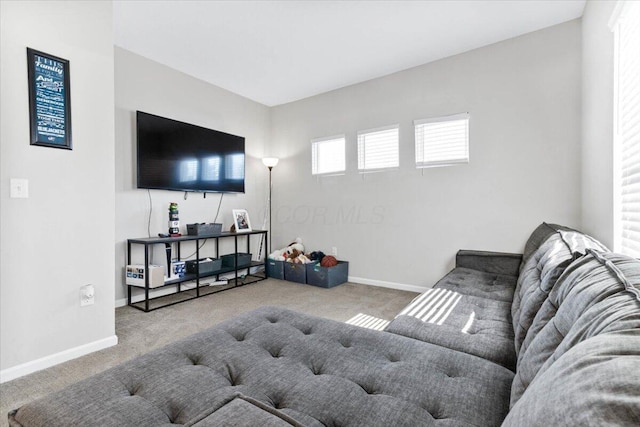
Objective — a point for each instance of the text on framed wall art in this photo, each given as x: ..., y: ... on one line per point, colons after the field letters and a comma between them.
x: 49, y: 100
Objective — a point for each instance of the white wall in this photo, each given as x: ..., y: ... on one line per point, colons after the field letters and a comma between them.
x: 61, y: 237
x: 405, y: 226
x: 151, y: 87
x: 597, y: 121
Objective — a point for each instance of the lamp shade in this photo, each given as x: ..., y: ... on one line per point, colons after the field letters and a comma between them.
x: 270, y: 161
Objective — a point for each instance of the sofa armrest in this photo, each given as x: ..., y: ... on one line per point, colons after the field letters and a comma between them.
x: 489, y: 262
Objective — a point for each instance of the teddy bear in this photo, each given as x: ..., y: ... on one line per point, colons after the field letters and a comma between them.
x: 284, y: 253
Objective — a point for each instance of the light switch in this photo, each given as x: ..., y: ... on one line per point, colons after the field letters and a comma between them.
x: 19, y: 188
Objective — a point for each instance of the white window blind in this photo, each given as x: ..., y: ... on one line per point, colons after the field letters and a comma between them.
x: 442, y: 141
x: 626, y: 26
x: 327, y: 155
x: 378, y: 148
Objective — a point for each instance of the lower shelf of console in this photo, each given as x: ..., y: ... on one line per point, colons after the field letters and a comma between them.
x: 185, y: 289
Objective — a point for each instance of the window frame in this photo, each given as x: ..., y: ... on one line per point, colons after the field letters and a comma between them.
x: 623, y: 224
x: 420, y: 144
x: 365, y: 132
x: 314, y: 155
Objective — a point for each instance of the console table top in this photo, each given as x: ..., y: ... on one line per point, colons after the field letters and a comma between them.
x: 151, y: 240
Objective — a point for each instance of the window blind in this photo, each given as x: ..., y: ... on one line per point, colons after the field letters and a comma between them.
x: 327, y: 155
x: 378, y: 148
x: 627, y: 129
x: 442, y: 141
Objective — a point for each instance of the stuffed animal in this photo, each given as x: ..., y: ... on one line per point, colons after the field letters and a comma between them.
x: 316, y: 256
x: 284, y: 253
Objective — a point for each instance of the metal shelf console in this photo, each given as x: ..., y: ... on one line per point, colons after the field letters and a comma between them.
x: 198, y: 291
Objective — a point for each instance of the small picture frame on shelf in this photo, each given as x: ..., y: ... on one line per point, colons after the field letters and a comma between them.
x: 241, y: 220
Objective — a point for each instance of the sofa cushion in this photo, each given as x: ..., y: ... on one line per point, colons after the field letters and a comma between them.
x: 597, y: 294
x: 596, y: 383
x: 474, y: 325
x: 536, y: 239
x: 540, y: 270
x: 489, y: 262
x: 316, y: 371
x: 476, y: 283
x: 243, y: 411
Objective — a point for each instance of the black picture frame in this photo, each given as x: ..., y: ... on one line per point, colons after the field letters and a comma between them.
x: 49, y: 100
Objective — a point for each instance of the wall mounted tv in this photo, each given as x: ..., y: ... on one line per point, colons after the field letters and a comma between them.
x: 173, y: 155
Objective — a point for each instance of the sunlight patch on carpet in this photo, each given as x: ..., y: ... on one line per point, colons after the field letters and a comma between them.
x: 369, y: 322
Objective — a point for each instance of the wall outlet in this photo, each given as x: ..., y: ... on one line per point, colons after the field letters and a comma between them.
x: 334, y: 251
x: 87, y: 295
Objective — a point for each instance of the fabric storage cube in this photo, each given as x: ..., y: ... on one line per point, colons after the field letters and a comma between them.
x: 229, y: 260
x: 295, y: 272
x: 327, y: 277
x: 204, y: 265
x: 275, y: 269
x: 213, y: 229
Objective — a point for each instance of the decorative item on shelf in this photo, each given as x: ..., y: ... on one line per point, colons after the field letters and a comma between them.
x: 211, y: 229
x: 178, y: 269
x: 241, y: 220
x: 174, y: 220
x: 135, y: 275
x: 270, y: 162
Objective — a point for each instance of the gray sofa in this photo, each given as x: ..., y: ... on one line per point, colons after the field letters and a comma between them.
x: 550, y: 337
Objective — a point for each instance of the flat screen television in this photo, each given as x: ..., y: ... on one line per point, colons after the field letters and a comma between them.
x: 173, y: 155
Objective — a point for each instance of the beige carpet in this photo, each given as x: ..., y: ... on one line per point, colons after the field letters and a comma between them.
x: 139, y: 332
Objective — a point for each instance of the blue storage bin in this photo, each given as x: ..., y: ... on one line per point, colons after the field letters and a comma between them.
x: 275, y: 269
x: 295, y: 272
x: 327, y: 277
x: 229, y: 260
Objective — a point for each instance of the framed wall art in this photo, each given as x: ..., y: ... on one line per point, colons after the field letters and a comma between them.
x: 49, y: 100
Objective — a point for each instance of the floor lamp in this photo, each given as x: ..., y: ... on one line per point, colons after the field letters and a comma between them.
x: 270, y: 162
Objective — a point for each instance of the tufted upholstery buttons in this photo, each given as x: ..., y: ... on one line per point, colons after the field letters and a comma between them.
x: 312, y: 378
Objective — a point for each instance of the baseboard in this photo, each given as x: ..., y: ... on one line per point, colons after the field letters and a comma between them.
x: 383, y: 284
x: 55, y: 359
x: 361, y: 280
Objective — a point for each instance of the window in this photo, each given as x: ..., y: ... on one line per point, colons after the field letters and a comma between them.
x: 626, y: 26
x: 442, y: 141
x: 327, y: 155
x: 378, y: 149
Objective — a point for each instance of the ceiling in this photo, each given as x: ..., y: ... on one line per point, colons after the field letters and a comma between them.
x: 275, y: 52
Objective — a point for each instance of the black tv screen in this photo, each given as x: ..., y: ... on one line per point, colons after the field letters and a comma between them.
x: 173, y: 155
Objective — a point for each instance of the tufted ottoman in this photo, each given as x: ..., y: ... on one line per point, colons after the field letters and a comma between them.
x: 278, y: 367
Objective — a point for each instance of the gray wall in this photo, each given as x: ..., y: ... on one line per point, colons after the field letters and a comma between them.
x: 597, y: 121
x: 62, y: 236
x: 151, y: 87
x: 404, y: 227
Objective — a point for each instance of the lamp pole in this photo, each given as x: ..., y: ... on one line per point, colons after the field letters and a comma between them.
x: 270, y: 162
x: 270, y: 232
